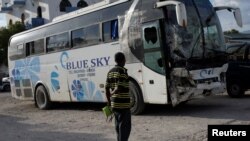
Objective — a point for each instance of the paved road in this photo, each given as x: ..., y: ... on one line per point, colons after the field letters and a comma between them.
x: 22, y: 121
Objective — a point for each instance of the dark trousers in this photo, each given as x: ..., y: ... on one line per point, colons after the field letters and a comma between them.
x: 122, y: 124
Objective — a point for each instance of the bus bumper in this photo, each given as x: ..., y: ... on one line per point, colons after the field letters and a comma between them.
x: 187, y: 85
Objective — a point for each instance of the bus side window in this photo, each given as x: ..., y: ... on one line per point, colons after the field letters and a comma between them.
x: 27, y: 48
x: 30, y: 48
x: 38, y: 46
x: 20, y: 52
x: 92, y: 34
x: 57, y: 42
x: 35, y: 47
x: 86, y: 36
x: 110, y: 31
x: 152, y: 46
x: 78, y: 37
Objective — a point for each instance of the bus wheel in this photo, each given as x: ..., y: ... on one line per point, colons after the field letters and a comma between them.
x: 234, y: 89
x: 137, y: 101
x: 42, y: 100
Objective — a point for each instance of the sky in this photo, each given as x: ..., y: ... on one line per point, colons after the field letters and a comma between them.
x: 2, y: 20
x: 226, y: 18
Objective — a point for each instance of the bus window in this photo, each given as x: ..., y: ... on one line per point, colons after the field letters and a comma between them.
x: 92, y: 34
x: 78, y: 37
x: 28, y: 47
x: 110, y: 31
x: 57, y: 42
x: 86, y: 36
x: 20, y: 51
x: 151, y: 44
x: 35, y: 47
x: 16, y: 52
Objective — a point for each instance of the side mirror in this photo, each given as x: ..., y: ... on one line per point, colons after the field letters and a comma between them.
x: 180, y: 11
x: 238, y: 17
x: 236, y: 12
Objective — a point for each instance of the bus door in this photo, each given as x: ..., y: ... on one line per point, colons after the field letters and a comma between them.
x: 154, y: 72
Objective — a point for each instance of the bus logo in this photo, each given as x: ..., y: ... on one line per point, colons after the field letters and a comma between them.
x: 63, y: 59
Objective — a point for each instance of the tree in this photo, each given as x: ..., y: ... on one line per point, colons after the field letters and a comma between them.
x: 5, y: 34
x: 233, y: 31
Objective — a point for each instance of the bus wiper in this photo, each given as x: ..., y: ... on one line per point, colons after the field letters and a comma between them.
x: 226, y: 53
x: 195, y: 44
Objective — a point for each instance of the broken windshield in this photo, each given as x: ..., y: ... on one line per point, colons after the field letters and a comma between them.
x: 214, y: 41
x: 199, y: 39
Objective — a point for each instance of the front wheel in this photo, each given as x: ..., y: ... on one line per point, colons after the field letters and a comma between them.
x: 234, y: 89
x: 42, y: 100
x: 137, y: 101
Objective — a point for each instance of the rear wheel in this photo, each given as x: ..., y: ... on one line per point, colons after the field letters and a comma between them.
x: 137, y: 101
x: 42, y: 100
x: 234, y: 89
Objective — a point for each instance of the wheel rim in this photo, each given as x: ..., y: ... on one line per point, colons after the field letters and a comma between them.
x: 41, y: 99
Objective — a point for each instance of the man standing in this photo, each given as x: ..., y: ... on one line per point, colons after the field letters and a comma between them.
x: 117, y: 93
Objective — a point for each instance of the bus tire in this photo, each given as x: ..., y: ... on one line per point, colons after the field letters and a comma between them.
x: 235, y: 89
x: 42, y: 100
x: 137, y: 102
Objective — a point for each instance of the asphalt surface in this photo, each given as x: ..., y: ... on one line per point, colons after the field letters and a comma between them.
x: 22, y: 121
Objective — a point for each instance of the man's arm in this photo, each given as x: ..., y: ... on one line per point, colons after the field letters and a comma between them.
x: 107, y: 88
x: 108, y: 95
x: 115, y: 90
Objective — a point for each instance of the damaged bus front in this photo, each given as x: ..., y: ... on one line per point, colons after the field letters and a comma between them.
x: 194, y: 48
x: 181, y: 41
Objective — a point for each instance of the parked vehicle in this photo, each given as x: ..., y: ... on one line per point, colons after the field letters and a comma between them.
x: 171, y: 49
x: 238, y: 73
x: 4, y: 82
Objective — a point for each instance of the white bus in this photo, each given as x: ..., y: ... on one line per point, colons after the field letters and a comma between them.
x: 174, y: 51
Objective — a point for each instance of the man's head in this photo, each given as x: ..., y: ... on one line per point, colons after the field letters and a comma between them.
x: 120, y: 59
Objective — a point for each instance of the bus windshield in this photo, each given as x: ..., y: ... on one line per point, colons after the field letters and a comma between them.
x: 202, y: 38
x: 213, y: 37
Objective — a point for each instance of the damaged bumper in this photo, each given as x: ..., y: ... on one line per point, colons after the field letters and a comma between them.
x: 186, y: 85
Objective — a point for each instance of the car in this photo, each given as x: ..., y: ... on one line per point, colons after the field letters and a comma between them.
x: 238, y: 73
x: 4, y: 82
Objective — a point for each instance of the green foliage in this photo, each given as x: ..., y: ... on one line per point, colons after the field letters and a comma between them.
x: 5, y: 34
x: 233, y: 31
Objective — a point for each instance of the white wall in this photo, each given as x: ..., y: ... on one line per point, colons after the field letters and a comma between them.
x: 50, y: 9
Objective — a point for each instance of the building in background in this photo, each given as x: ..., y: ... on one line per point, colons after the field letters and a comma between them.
x: 34, y: 13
